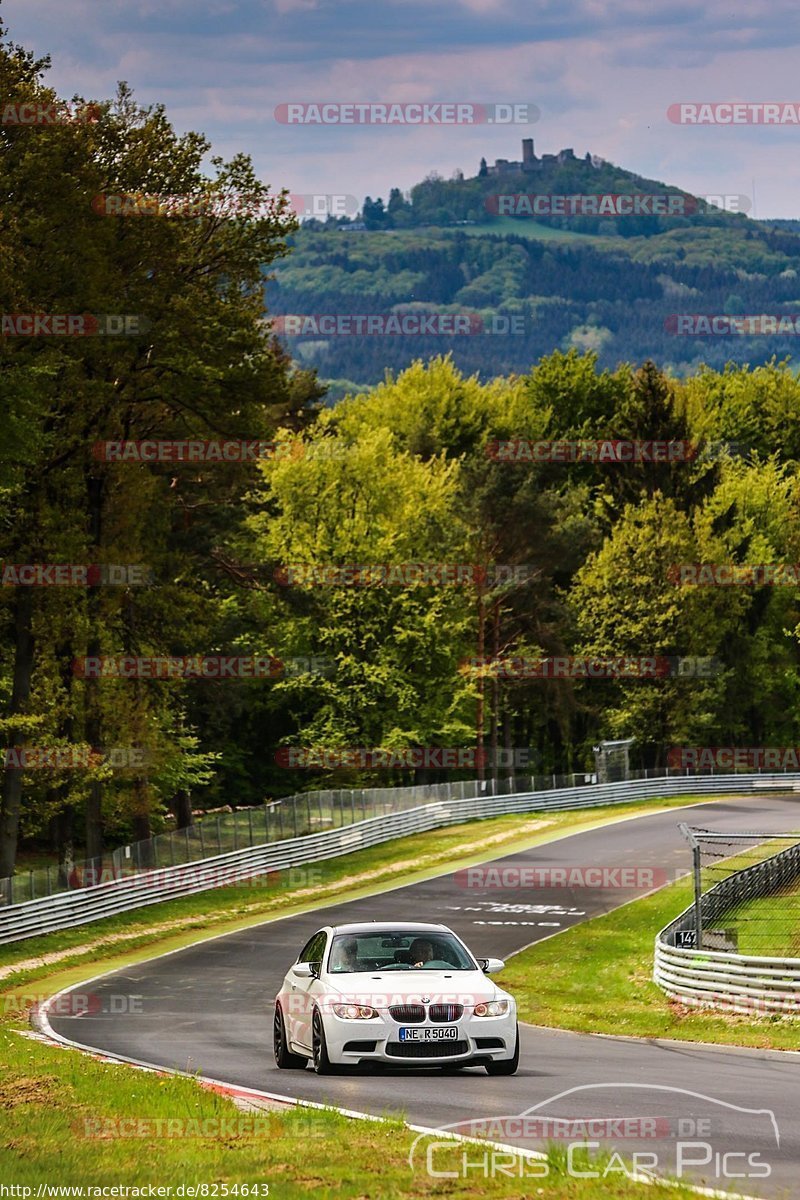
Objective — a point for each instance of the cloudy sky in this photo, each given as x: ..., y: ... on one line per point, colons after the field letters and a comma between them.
x: 601, y: 73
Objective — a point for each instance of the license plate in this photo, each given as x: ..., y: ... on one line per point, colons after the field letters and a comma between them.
x: 429, y: 1035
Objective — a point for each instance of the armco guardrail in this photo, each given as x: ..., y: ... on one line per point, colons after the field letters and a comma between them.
x: 720, y: 978
x: 274, y: 821
x: 67, y: 909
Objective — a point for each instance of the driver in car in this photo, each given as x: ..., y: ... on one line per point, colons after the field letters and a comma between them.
x: 346, y: 956
x: 421, y: 951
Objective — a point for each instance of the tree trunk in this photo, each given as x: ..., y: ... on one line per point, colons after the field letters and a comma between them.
x: 182, y: 803
x: 141, y: 820
x: 94, y: 724
x: 481, y: 684
x: 494, y: 765
x: 61, y: 822
x: 11, y: 800
x: 142, y: 804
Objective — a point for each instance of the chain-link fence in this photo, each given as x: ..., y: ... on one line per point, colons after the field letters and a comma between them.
x: 746, y: 893
x: 274, y: 821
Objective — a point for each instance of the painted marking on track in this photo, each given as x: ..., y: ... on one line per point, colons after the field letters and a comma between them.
x: 542, y: 924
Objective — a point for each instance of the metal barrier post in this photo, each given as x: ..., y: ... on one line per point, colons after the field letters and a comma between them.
x: 698, y: 886
x: 698, y: 891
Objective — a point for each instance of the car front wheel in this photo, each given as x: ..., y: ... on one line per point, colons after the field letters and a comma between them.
x: 319, y: 1048
x: 505, y: 1066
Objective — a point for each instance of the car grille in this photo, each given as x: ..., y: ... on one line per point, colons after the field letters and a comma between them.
x: 446, y: 1012
x: 425, y: 1049
x: 414, y: 1014
x: 410, y: 1013
x: 359, y: 1047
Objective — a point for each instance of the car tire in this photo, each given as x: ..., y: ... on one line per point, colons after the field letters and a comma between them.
x: 319, y: 1047
x: 284, y: 1059
x: 505, y: 1066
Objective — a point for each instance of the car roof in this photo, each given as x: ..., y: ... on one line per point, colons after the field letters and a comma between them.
x: 394, y: 926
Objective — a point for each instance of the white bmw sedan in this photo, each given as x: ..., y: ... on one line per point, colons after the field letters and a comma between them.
x: 402, y: 993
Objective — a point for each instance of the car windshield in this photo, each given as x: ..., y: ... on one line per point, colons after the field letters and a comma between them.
x: 400, y: 951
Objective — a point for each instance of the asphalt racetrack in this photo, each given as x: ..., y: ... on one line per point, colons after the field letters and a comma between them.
x: 208, y: 1009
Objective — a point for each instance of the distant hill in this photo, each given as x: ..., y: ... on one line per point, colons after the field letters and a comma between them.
x: 610, y: 280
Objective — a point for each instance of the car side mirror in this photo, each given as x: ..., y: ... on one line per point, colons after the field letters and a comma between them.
x: 316, y: 969
x: 490, y: 966
x: 302, y: 970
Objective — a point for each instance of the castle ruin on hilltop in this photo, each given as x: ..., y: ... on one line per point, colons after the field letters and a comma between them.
x: 530, y: 163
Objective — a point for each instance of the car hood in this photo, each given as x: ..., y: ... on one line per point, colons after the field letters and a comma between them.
x: 383, y: 988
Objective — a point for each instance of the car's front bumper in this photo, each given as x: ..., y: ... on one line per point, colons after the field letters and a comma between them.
x: 484, y: 1039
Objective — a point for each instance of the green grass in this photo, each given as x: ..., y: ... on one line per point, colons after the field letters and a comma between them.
x: 533, y: 229
x: 554, y: 988
x: 50, y: 1097
x: 769, y: 925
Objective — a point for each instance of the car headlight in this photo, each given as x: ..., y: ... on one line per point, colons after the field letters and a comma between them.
x: 492, y: 1008
x: 355, y: 1012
